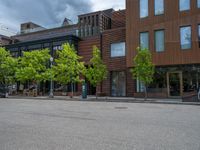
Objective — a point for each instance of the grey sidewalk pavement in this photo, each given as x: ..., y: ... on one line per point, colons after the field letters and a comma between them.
x: 109, y: 99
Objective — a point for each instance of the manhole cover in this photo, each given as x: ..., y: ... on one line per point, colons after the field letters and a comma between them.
x: 121, y: 107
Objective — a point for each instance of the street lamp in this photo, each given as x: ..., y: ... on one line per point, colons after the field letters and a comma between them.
x: 51, y: 87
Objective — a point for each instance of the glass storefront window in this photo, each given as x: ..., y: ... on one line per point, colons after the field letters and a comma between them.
x: 140, y: 86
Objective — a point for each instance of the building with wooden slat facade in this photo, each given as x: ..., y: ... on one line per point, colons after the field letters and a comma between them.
x: 170, y: 29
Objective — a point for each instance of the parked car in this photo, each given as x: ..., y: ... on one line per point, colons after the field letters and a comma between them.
x: 3, y: 91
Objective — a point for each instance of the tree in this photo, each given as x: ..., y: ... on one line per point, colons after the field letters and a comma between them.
x: 68, y: 67
x: 97, y: 70
x: 8, y: 66
x: 143, y: 67
x: 33, y: 66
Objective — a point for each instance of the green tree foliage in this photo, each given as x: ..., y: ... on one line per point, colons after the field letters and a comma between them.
x: 68, y: 67
x: 143, y: 67
x: 33, y: 66
x: 97, y: 70
x: 8, y: 66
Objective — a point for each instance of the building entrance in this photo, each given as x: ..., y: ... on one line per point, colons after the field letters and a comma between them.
x: 175, y: 84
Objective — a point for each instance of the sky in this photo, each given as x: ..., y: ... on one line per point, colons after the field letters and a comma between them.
x: 48, y: 13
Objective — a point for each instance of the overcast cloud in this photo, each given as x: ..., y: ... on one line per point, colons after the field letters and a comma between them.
x: 48, y: 13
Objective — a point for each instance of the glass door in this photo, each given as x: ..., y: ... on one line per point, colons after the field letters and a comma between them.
x: 118, y: 84
x: 174, y: 84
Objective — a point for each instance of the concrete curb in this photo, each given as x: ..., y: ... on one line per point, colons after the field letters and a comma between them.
x: 111, y: 99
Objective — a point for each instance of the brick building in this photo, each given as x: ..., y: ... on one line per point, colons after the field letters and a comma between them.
x: 168, y: 28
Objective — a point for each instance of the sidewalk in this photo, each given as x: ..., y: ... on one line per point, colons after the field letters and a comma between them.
x: 110, y: 99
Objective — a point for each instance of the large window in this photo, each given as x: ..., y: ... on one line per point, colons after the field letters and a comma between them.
x: 144, y: 40
x: 140, y: 86
x: 198, y: 3
x: 159, y: 7
x: 118, y: 49
x: 144, y: 8
x: 159, y: 40
x: 184, y: 5
x: 118, y: 83
x: 185, y: 37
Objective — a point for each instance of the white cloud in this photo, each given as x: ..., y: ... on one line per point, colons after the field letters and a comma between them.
x: 106, y: 4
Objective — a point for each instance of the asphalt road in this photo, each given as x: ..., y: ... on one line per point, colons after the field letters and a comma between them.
x: 64, y: 125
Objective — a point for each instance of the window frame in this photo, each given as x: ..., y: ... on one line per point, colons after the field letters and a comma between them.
x: 181, y: 36
x: 155, y: 8
x: 117, y: 43
x: 148, y: 39
x: 140, y: 10
x: 184, y: 9
x: 198, y: 3
x: 155, y: 40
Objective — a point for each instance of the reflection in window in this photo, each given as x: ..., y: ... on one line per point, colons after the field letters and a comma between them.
x: 159, y: 40
x: 144, y: 11
x: 144, y: 40
x: 185, y: 35
x: 198, y: 3
x: 118, y: 84
x: 140, y: 86
x: 159, y: 7
x: 118, y: 49
x: 184, y: 5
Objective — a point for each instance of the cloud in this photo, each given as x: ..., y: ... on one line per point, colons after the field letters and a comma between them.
x: 44, y: 12
x: 49, y: 13
x: 116, y: 4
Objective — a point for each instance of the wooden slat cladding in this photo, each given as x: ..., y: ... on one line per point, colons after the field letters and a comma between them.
x: 115, y: 64
x: 109, y: 37
x: 171, y: 22
x: 85, y: 47
x: 118, y: 19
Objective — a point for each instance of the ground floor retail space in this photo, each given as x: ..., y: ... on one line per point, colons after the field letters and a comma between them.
x: 169, y: 82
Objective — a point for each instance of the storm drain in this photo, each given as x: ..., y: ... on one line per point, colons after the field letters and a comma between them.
x: 121, y: 107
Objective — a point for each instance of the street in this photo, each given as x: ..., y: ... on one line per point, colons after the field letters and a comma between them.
x: 68, y: 125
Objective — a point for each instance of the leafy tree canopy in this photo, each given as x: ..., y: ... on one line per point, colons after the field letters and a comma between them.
x: 68, y: 67
x: 143, y: 67
x: 33, y: 66
x: 97, y: 70
x: 8, y: 66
